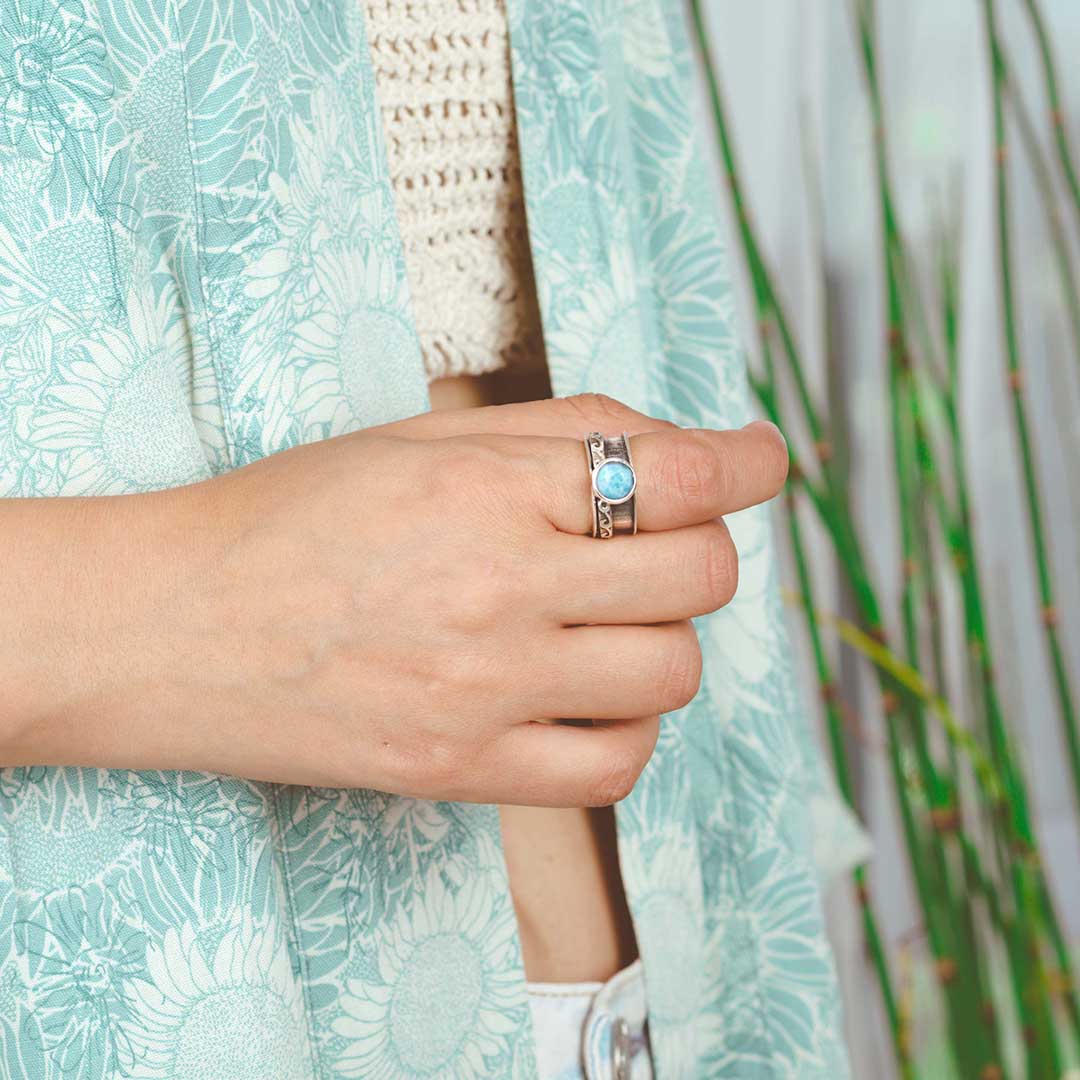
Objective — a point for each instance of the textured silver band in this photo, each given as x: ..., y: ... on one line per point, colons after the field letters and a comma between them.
x: 610, y: 519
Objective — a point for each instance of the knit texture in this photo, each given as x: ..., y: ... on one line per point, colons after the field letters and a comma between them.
x: 442, y: 72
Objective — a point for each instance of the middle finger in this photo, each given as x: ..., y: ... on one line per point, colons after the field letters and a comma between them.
x: 648, y: 578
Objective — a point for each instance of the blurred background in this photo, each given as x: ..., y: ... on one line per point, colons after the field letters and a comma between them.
x: 900, y: 190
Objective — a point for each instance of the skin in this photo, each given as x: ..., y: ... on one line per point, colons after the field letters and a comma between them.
x: 207, y: 627
x: 563, y: 865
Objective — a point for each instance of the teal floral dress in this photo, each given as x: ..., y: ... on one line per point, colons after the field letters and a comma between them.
x: 200, y: 265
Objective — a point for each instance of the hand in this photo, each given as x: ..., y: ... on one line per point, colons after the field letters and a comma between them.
x: 408, y: 607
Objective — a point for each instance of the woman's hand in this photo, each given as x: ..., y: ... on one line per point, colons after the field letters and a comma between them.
x: 408, y: 607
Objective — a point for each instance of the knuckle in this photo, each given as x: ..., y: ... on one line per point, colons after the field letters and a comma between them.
x: 439, y: 763
x: 469, y: 462
x: 616, y: 781
x: 475, y: 609
x: 455, y: 676
x: 598, y: 408
x: 484, y: 476
x: 691, y: 470
x: 426, y: 765
x: 477, y: 591
x: 460, y: 467
x: 681, y: 673
x: 719, y: 567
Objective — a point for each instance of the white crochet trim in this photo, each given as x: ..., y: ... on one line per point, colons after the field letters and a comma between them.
x: 442, y: 69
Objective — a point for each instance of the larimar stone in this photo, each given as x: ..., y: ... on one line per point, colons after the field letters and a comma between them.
x: 614, y: 480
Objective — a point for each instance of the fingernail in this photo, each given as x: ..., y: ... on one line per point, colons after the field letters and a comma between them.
x: 765, y: 424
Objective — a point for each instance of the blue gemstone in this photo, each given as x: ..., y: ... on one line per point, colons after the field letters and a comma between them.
x: 614, y: 480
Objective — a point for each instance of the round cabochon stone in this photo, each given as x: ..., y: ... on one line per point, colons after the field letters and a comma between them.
x: 614, y: 480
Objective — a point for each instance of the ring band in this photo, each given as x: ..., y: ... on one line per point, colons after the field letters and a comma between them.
x: 613, y: 485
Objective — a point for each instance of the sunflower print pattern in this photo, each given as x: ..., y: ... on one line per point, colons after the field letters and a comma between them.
x: 200, y: 265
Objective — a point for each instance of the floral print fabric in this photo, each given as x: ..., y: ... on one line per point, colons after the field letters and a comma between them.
x: 200, y: 265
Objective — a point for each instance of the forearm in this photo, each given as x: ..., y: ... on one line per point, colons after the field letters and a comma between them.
x: 97, y: 593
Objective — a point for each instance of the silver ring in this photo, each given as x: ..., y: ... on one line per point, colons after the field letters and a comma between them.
x: 613, y: 484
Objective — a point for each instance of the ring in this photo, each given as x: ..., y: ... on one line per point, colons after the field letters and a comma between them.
x: 614, y: 483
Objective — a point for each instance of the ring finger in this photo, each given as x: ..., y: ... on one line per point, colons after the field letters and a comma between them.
x: 615, y: 672
x: 648, y: 578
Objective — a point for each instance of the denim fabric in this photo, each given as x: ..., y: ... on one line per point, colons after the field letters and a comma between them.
x: 592, y: 1030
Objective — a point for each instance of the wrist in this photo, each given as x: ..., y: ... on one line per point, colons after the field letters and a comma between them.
x: 99, y: 597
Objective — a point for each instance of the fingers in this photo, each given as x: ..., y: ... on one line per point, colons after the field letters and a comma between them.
x: 570, y: 417
x: 648, y: 578
x: 611, y: 672
x: 684, y: 477
x: 538, y: 764
x: 693, y: 476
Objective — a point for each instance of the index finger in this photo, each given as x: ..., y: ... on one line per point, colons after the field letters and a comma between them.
x: 684, y: 476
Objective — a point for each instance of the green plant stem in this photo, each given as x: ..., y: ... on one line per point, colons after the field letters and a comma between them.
x: 1045, y: 1049
x: 1053, y: 96
x: 834, y: 513
x: 974, y: 1045
x: 1029, y: 876
x: 950, y: 925
x: 835, y: 728
x: 842, y: 770
x: 898, y: 276
x: 1016, y: 803
x: 958, y: 536
x: 769, y: 307
x: 1055, y: 224
x: 1049, y: 614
